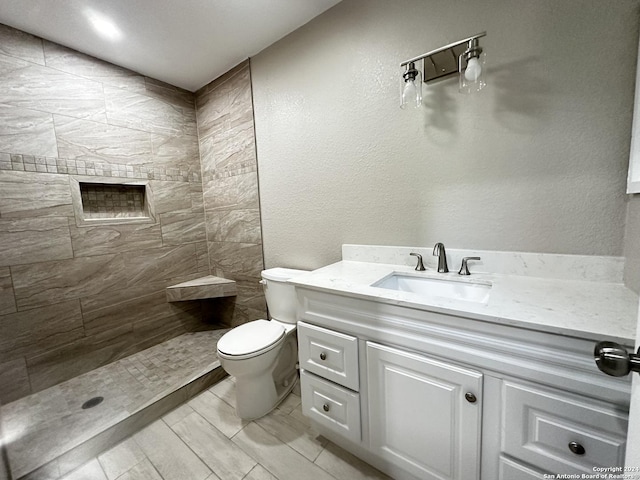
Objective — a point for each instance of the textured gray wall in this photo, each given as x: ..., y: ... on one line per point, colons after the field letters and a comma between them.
x: 535, y: 162
x: 74, y: 298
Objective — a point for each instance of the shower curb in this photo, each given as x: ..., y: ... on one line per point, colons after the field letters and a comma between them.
x: 111, y: 436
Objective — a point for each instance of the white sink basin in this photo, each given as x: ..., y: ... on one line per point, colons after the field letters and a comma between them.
x: 436, y: 287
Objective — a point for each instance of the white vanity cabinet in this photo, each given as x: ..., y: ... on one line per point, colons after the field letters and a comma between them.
x: 432, y: 396
x: 424, y: 414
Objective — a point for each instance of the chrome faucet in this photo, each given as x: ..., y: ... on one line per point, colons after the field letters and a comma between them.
x: 420, y: 265
x: 464, y: 268
x: 438, y: 251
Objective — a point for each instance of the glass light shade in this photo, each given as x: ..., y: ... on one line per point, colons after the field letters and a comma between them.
x: 411, y: 91
x: 472, y: 74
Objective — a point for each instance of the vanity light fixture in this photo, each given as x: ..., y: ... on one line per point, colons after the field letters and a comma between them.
x: 411, y: 87
x: 464, y: 57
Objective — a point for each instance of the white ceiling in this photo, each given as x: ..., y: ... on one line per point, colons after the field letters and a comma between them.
x: 186, y: 43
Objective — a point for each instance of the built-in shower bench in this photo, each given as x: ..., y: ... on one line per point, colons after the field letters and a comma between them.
x: 201, y: 288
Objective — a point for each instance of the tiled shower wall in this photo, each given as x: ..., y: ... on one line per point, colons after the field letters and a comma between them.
x: 72, y: 297
x: 230, y: 184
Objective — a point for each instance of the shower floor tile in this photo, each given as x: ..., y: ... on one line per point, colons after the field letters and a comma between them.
x: 43, y: 426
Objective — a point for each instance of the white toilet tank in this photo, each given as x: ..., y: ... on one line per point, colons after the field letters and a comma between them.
x: 280, y: 295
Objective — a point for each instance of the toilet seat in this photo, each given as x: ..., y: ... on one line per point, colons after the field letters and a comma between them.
x: 250, y: 339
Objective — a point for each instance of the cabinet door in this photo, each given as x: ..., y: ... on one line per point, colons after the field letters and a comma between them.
x: 419, y: 418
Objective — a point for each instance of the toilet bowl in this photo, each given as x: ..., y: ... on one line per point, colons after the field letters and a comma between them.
x: 262, y: 354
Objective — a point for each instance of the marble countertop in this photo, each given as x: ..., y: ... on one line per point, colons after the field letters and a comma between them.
x: 593, y: 310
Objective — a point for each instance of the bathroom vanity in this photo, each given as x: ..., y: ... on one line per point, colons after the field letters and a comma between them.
x: 492, y: 380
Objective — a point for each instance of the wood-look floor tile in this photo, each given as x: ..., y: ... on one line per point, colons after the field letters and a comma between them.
x: 121, y: 458
x: 342, y: 464
x: 294, y: 433
x: 277, y: 457
x: 89, y: 471
x: 225, y: 390
x: 218, y: 413
x: 290, y: 403
x: 259, y: 473
x: 178, y: 414
x: 220, y: 454
x: 169, y: 455
x: 142, y: 471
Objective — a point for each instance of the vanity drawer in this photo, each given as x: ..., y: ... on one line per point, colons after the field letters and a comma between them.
x: 330, y: 354
x: 333, y: 407
x: 539, y: 425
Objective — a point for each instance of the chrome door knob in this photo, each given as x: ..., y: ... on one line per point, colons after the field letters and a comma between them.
x: 614, y: 360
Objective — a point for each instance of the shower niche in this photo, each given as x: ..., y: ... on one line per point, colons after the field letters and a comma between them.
x: 107, y: 202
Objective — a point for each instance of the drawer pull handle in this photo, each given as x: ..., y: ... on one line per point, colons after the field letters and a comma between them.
x: 325, y: 407
x: 471, y: 398
x: 323, y: 356
x: 576, y: 448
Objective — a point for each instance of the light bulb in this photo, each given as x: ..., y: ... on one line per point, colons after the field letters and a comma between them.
x: 473, y: 71
x: 409, y: 93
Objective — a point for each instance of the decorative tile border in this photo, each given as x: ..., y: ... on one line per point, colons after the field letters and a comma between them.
x: 30, y: 163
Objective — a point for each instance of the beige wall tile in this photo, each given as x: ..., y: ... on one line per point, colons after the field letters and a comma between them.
x: 14, y: 380
x: 71, y: 61
x: 235, y: 260
x: 132, y: 110
x: 100, y: 240
x: 234, y: 226
x: 232, y: 192
x: 47, y: 283
x: 33, y: 240
x: 180, y: 228
x: 26, y: 131
x: 94, y: 141
x: 7, y: 299
x: 34, y: 330
x: 26, y: 194
x: 50, y: 90
x: 170, y: 94
x: 170, y: 196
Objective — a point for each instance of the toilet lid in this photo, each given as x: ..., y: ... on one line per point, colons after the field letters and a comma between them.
x: 250, y: 337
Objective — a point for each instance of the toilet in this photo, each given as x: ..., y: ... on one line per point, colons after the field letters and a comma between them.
x: 262, y: 354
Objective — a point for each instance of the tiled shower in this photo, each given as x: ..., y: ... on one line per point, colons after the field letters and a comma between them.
x: 114, y: 186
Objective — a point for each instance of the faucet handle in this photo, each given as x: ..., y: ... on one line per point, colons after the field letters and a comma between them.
x: 420, y: 265
x: 464, y: 270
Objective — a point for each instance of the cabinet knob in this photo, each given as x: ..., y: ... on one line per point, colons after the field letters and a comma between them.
x: 325, y: 407
x: 323, y: 356
x: 576, y: 448
x: 471, y: 398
